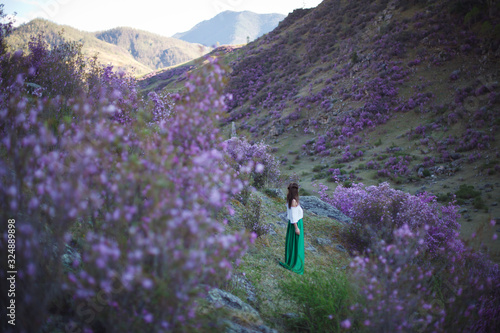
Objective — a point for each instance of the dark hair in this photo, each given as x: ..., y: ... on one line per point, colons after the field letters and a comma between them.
x: 293, y: 193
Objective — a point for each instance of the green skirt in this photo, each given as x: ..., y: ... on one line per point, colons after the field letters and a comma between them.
x: 294, y: 249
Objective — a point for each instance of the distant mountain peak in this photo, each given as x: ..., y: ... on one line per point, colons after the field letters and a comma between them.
x: 231, y: 28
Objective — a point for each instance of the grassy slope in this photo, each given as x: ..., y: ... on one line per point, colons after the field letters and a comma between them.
x: 171, y: 79
x: 260, y: 264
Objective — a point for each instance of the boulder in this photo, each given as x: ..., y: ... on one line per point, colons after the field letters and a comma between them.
x: 232, y: 327
x: 240, y: 312
x: 244, y: 283
x: 283, y: 217
x: 324, y: 241
x: 312, y: 249
x: 319, y: 207
x: 340, y: 248
x: 220, y: 298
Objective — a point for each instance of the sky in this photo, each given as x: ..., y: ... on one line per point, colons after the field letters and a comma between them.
x: 165, y: 17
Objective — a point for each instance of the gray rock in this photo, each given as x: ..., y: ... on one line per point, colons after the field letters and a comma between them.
x: 420, y: 172
x: 221, y: 298
x: 245, y: 284
x: 275, y: 193
x: 233, y: 130
x: 323, y: 241
x: 340, y: 248
x: 283, y: 218
x: 311, y: 249
x: 232, y: 327
x: 321, y: 208
x: 421, y: 190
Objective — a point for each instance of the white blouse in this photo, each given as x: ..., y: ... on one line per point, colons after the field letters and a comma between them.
x: 294, y: 214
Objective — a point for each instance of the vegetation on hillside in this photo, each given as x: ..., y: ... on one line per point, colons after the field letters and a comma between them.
x: 125, y: 209
x: 137, y: 51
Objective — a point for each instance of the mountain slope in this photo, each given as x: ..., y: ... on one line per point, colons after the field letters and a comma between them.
x: 130, y: 49
x: 363, y: 91
x: 405, y: 92
x: 231, y: 28
x: 153, y: 50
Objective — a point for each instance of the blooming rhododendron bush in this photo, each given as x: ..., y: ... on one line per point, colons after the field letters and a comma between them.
x: 136, y: 187
x: 413, y: 271
x: 255, y: 159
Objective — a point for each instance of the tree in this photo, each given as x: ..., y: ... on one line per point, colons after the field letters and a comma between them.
x: 5, y: 29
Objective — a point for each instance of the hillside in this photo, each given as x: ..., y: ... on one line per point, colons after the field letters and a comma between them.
x: 369, y: 92
x: 153, y: 50
x: 231, y: 28
x: 134, y: 50
x: 159, y: 205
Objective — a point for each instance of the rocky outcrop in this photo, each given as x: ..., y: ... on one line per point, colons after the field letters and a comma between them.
x: 245, y: 284
x: 240, y: 312
x: 317, y: 206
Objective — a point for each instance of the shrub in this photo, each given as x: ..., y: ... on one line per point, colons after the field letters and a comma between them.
x: 354, y: 57
x: 302, y: 191
x: 253, y: 158
x: 146, y: 201
x: 252, y: 219
x: 377, y: 211
x: 467, y: 192
x: 404, y: 288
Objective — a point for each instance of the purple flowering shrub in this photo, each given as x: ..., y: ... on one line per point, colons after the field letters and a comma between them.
x: 142, y: 205
x: 255, y: 159
x: 162, y: 106
x: 61, y: 70
x: 414, y: 272
x: 379, y: 210
x: 251, y: 217
x: 403, y: 290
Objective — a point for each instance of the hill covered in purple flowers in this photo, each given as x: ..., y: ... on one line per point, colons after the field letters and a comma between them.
x: 400, y: 91
x: 157, y: 205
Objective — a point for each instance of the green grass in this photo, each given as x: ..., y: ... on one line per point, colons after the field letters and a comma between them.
x: 320, y: 300
x: 319, y: 167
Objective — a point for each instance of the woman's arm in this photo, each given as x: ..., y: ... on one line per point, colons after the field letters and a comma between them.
x: 297, y: 230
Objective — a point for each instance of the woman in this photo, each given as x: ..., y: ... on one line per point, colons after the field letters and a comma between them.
x: 294, y: 244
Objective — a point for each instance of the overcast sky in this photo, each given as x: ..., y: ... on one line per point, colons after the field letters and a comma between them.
x: 162, y: 17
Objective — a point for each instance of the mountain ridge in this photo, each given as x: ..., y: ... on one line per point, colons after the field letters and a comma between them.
x: 150, y: 51
x: 231, y: 28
